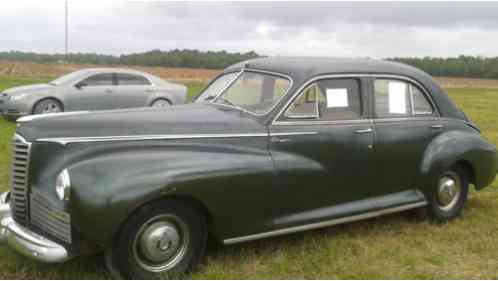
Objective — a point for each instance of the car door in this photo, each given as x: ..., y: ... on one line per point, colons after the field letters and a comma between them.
x: 322, y: 149
x: 92, y: 93
x: 132, y: 90
x: 405, y: 122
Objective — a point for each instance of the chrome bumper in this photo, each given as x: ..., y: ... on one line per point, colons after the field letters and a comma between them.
x: 26, y: 242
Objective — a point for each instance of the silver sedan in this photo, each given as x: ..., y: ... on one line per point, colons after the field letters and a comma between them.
x: 92, y: 89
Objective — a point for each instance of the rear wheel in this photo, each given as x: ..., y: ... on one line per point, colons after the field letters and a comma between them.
x: 164, y: 238
x: 47, y: 106
x: 160, y: 103
x: 449, y: 196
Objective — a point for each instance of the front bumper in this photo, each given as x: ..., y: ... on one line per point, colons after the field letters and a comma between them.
x: 10, y: 110
x: 25, y: 241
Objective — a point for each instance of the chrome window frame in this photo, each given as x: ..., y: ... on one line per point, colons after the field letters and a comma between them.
x: 276, y: 122
x: 287, y: 77
x: 411, y: 83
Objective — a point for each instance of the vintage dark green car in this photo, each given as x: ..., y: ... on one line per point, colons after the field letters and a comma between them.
x: 272, y: 146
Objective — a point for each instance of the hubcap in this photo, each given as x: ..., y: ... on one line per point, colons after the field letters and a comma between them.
x: 51, y: 108
x: 161, y: 243
x: 448, y: 192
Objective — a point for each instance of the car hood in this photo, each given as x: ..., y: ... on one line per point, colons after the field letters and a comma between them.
x: 189, y: 119
x: 31, y: 89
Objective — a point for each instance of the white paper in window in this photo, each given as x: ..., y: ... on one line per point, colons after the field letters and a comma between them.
x: 337, y: 98
x: 397, y: 98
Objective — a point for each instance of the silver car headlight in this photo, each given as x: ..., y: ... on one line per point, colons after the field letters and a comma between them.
x: 63, y: 185
x: 17, y: 97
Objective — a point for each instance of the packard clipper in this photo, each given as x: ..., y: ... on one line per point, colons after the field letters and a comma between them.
x: 271, y: 146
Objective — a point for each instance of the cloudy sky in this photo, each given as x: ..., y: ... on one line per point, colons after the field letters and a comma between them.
x: 355, y: 29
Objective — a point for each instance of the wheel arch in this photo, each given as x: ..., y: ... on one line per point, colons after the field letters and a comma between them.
x: 32, y: 110
x: 458, y: 148
x: 160, y: 98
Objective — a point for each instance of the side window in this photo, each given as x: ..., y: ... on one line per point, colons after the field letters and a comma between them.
x: 328, y: 100
x: 396, y: 98
x: 131, y: 79
x: 421, y: 105
x: 104, y: 79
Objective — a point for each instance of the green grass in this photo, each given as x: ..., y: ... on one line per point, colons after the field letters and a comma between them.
x: 392, y: 247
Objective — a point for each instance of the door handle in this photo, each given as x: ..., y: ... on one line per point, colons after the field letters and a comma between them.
x: 364, y: 131
x: 108, y: 90
x: 279, y: 140
x: 439, y: 126
x: 149, y: 91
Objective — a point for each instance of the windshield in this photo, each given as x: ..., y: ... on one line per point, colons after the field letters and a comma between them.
x: 254, y: 92
x: 215, y: 88
x: 66, y: 78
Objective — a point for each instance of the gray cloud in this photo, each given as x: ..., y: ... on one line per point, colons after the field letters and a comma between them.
x: 376, y: 29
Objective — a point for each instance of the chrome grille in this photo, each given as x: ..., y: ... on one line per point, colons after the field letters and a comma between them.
x: 19, y: 179
x: 46, y: 218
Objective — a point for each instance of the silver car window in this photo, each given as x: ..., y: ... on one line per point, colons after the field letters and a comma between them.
x: 131, y: 79
x: 104, y: 79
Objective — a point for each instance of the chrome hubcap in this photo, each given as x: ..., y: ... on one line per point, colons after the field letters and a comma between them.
x: 448, y: 192
x: 51, y: 108
x: 161, y: 243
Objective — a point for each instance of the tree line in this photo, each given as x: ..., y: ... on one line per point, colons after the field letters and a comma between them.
x: 461, y: 66
x: 173, y: 58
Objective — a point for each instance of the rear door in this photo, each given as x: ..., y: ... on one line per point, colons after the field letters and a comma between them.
x: 405, y: 122
x: 132, y: 90
x: 328, y: 160
x: 92, y: 93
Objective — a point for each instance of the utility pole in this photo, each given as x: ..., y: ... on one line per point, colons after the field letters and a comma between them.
x: 67, y: 39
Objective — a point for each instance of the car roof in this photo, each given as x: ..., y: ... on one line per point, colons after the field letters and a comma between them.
x: 112, y: 69
x: 312, y: 66
x: 301, y: 69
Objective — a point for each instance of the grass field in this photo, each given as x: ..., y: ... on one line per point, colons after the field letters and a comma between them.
x: 392, y: 247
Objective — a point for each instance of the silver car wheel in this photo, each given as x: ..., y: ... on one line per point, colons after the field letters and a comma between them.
x: 161, y: 103
x: 51, y: 108
x: 161, y: 243
x: 448, y: 192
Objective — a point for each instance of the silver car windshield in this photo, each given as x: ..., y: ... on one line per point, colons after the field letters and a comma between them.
x: 67, y: 78
x: 254, y: 92
x: 215, y: 88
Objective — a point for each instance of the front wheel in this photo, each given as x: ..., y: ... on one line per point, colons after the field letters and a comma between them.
x: 164, y: 238
x: 47, y: 106
x: 160, y: 103
x: 449, y: 196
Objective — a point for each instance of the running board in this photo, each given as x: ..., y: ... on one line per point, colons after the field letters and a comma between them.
x: 325, y: 223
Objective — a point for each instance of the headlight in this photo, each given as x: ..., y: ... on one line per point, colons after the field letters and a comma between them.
x: 63, y: 185
x: 17, y: 97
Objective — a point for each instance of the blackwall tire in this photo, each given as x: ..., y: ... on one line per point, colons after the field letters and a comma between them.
x: 448, y: 195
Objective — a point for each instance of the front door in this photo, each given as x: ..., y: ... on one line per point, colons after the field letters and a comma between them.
x: 93, y: 93
x: 328, y: 160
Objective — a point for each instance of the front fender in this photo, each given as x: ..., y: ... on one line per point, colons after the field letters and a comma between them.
x: 453, y: 147
x: 108, y: 187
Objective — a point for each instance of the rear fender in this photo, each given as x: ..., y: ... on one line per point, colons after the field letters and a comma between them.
x: 453, y: 147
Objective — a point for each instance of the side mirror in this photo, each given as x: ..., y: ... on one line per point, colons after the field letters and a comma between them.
x: 80, y: 85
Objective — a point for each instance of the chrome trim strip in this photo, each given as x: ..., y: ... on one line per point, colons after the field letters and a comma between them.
x: 353, y: 75
x: 316, y: 122
x: 65, y: 141
x: 39, y: 116
x: 324, y: 224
